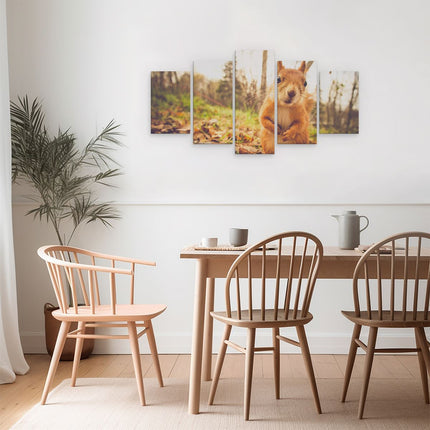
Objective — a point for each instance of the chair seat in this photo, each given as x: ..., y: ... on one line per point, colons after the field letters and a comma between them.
x: 257, y: 322
x: 397, y: 320
x: 135, y: 312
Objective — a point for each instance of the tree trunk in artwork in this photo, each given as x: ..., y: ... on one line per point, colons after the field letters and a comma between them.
x: 263, y: 75
x: 352, y: 100
x: 329, y: 105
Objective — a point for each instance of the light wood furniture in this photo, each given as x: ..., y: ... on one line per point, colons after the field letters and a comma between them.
x: 92, y: 277
x: 282, y: 303
x: 402, y: 301
x: 336, y: 264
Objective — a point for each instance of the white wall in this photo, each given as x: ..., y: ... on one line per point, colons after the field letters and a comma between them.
x: 90, y: 61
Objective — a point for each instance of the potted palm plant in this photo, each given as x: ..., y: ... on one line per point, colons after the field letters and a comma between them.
x: 64, y: 178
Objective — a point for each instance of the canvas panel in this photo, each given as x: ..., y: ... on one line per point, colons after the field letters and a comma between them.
x: 170, y: 102
x: 213, y: 101
x: 297, y: 102
x: 254, y: 97
x: 339, y: 97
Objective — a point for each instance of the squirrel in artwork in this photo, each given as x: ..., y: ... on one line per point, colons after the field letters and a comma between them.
x: 294, y: 107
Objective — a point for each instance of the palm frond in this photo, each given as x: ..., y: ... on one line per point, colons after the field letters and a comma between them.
x: 28, y: 135
x: 96, y: 153
x: 62, y: 175
x: 107, y: 174
x: 103, y: 212
x: 88, y: 210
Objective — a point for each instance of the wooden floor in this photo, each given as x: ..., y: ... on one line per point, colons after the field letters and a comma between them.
x: 17, y: 398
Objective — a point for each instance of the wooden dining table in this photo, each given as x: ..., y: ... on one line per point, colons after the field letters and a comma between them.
x: 211, y: 264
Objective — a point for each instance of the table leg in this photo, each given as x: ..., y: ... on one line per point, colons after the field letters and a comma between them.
x: 208, y: 332
x: 197, y: 339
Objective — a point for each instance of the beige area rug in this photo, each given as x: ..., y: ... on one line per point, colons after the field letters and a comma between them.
x: 113, y: 404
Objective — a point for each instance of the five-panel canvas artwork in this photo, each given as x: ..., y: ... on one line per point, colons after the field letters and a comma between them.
x: 255, y: 102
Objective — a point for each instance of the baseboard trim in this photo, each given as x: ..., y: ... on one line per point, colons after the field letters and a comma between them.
x: 33, y: 342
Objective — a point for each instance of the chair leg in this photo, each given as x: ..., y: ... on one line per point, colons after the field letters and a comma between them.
x: 78, y: 351
x: 351, y: 359
x: 59, y: 345
x: 308, y: 364
x: 154, y: 352
x: 219, y: 363
x: 423, y: 368
x: 249, y: 365
x: 276, y: 361
x: 373, y: 332
x: 425, y: 347
x: 132, y: 334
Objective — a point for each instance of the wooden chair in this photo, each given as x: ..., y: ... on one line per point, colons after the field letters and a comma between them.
x: 293, y: 260
x: 401, y: 301
x: 77, y: 272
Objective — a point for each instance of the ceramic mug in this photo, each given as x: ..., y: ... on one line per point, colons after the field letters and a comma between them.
x: 209, y: 242
x: 238, y: 236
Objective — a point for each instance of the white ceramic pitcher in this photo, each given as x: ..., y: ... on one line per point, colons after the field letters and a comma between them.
x: 349, y: 229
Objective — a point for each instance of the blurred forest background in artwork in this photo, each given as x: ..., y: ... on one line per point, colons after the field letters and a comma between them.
x: 170, y: 102
x: 212, y: 101
x: 254, y: 80
x: 339, y: 110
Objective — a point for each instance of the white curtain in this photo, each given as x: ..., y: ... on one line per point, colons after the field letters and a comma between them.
x: 12, y: 360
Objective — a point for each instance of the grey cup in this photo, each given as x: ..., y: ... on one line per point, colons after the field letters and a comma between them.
x: 238, y: 236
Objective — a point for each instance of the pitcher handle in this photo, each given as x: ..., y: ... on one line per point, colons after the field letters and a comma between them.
x: 367, y: 225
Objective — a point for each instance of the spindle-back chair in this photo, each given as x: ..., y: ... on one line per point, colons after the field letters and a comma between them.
x: 400, y: 300
x: 287, y: 265
x: 92, y: 278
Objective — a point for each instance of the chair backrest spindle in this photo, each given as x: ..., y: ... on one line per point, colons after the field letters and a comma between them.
x: 239, y: 308
x: 378, y: 276
x: 133, y: 267
x: 278, y: 278
x: 263, y: 283
x: 113, y: 292
x: 405, y: 279
x: 71, y: 279
x: 299, y: 279
x: 250, y: 287
x: 366, y: 275
x: 91, y: 288
x: 427, y: 297
x: 96, y: 281
x: 393, y: 279
x: 81, y: 281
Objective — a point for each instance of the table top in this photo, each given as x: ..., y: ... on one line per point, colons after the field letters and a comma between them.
x: 192, y: 252
x: 330, y: 252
